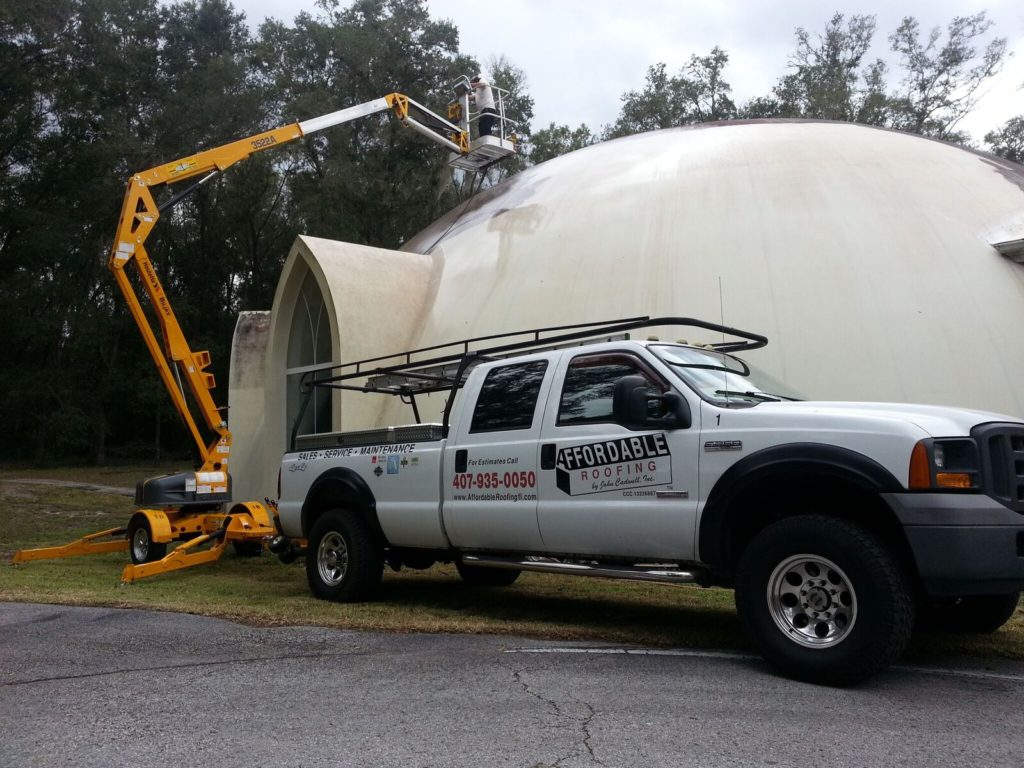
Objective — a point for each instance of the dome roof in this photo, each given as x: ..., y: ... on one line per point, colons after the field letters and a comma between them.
x: 865, y: 255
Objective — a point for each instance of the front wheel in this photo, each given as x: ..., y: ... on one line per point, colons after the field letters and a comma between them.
x: 824, y: 600
x: 140, y: 542
x: 343, y: 563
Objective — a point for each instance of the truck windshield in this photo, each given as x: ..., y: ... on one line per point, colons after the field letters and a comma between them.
x: 720, y: 378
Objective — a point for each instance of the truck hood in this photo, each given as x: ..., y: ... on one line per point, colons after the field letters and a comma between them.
x: 934, y: 420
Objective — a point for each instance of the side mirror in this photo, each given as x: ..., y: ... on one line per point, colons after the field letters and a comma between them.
x: 636, y: 406
x: 677, y: 410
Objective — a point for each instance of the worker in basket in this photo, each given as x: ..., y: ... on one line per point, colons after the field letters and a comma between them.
x: 483, y: 98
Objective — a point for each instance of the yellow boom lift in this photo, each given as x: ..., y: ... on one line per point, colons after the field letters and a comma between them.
x: 195, y: 507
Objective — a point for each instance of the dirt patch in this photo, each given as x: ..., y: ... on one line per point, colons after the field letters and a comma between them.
x: 112, y: 489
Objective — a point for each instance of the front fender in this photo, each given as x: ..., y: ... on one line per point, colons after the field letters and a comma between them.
x: 720, y: 517
x: 159, y: 525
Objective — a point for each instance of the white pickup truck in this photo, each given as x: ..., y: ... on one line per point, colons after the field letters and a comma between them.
x: 579, y: 450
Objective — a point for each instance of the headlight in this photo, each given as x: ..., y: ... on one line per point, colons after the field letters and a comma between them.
x: 944, y: 463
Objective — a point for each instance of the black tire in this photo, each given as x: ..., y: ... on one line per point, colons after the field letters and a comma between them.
x: 141, y: 546
x: 247, y: 548
x: 978, y: 614
x: 479, y: 576
x: 824, y: 600
x: 343, y: 562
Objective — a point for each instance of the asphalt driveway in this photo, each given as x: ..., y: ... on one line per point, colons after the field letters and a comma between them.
x: 103, y: 687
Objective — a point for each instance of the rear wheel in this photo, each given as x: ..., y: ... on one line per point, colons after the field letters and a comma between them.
x: 343, y: 563
x: 479, y: 576
x: 140, y: 542
x: 824, y: 600
x: 980, y: 614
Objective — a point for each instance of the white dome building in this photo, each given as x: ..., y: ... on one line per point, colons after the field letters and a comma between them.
x: 879, y: 265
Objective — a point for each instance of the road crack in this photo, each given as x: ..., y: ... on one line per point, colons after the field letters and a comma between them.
x: 583, y: 723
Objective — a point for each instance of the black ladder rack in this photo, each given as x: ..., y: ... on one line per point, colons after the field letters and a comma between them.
x: 412, y: 375
x: 433, y: 369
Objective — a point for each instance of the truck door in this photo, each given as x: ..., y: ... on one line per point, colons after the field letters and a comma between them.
x: 490, y: 467
x: 605, y: 489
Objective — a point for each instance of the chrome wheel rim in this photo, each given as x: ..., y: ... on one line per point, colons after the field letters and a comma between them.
x: 332, y: 559
x: 140, y: 544
x: 812, y: 601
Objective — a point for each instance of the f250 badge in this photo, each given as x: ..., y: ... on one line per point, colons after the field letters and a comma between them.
x: 614, y: 465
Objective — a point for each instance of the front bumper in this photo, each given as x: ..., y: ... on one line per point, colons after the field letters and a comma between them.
x: 963, y: 544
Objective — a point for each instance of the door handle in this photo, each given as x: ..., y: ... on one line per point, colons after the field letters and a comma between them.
x: 461, y: 460
x: 548, y: 453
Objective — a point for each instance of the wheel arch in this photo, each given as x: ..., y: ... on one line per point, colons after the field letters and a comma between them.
x: 792, y: 479
x: 158, y: 522
x: 341, y: 488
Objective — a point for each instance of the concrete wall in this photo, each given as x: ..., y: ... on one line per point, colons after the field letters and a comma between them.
x: 246, y: 411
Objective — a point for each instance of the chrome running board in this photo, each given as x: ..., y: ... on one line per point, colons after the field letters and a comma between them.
x: 627, y: 572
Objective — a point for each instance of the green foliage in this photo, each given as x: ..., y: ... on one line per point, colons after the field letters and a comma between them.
x: 827, y: 71
x: 943, y: 78
x: 1008, y: 141
x: 698, y: 94
x: 99, y: 89
x: 558, y: 140
x: 372, y: 181
x: 831, y: 80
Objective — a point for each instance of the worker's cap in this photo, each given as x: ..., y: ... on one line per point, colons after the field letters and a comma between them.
x: 477, y: 79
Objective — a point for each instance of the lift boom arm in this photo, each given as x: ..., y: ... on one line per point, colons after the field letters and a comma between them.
x: 139, y: 215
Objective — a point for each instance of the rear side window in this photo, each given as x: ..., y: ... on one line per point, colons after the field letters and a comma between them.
x: 508, y: 397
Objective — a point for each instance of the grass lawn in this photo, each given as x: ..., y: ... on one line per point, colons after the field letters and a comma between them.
x: 263, y: 591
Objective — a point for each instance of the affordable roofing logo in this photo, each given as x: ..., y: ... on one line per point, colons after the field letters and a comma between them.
x: 614, y: 465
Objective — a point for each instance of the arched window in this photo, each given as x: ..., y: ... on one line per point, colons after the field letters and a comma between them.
x: 309, y: 344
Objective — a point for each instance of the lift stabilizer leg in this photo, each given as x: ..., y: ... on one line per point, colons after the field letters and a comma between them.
x: 87, y: 545
x: 182, y: 557
x: 248, y: 523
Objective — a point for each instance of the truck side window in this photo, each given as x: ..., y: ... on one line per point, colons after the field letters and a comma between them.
x: 587, y: 391
x: 508, y: 397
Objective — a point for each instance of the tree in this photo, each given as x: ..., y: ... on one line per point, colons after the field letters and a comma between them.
x: 655, y: 107
x: 57, y: 305
x: 371, y: 181
x: 556, y: 140
x: 1008, y: 141
x: 94, y: 90
x: 829, y: 80
x: 705, y: 90
x: 698, y: 94
x: 942, y: 79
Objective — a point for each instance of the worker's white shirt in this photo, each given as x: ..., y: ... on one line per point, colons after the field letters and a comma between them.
x: 482, y: 96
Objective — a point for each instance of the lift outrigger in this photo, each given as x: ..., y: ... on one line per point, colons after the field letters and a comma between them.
x: 196, y: 507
